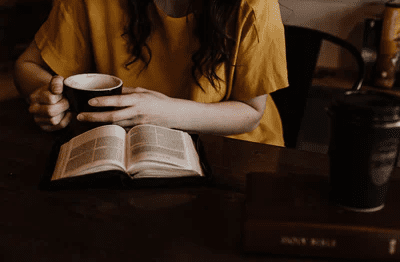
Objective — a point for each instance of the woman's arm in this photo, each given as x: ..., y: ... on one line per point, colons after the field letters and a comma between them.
x: 31, y: 72
x: 223, y: 118
x: 142, y: 106
x: 43, y: 91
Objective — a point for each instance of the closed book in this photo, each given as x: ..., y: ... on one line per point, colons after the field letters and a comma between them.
x: 292, y: 214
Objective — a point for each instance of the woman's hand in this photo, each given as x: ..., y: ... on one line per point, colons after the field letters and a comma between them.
x: 142, y: 106
x: 49, y: 107
x: 138, y: 106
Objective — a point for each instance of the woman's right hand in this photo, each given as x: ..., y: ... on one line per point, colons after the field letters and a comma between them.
x: 49, y: 106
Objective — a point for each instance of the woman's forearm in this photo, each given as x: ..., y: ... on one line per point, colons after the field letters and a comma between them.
x: 29, y: 77
x: 30, y: 72
x: 142, y: 106
x: 224, y: 118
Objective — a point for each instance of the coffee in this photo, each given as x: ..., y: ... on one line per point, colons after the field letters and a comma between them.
x: 365, y: 136
x: 79, y: 89
x: 93, y: 82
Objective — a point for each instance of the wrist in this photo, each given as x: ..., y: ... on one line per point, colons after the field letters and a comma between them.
x: 178, y: 114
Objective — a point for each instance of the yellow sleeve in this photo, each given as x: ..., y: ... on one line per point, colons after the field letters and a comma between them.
x: 64, y: 39
x: 261, y: 59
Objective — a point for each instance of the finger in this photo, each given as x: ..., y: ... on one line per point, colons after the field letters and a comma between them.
x: 51, y: 99
x: 116, y: 101
x: 56, y: 85
x: 66, y: 120
x: 147, y: 91
x: 42, y: 120
x: 141, y: 120
x: 130, y: 122
x: 48, y: 128
x: 144, y: 90
x: 49, y: 110
x: 124, y: 100
x: 64, y: 123
x: 130, y: 90
x: 45, y: 97
x: 108, y: 117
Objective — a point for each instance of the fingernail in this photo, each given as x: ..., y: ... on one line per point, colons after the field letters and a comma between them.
x: 93, y: 102
x: 80, y: 117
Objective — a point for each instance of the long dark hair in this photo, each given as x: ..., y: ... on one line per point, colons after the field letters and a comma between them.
x: 215, y: 41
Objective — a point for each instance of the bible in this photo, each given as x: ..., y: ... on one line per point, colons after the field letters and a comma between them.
x: 293, y: 214
x: 144, y: 152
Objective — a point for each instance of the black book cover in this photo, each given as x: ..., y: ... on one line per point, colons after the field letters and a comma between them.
x: 293, y: 214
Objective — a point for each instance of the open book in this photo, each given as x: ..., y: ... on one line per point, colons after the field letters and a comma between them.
x: 146, y: 151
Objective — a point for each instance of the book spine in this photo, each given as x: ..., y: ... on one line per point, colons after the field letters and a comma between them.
x: 317, y: 240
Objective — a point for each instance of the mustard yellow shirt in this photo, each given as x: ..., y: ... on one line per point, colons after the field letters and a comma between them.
x: 82, y: 36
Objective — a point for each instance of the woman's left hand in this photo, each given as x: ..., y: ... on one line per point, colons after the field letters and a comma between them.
x: 138, y: 106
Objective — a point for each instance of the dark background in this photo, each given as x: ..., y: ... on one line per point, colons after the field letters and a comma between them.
x: 18, y: 25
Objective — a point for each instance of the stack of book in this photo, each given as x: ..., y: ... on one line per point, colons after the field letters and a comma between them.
x: 291, y: 214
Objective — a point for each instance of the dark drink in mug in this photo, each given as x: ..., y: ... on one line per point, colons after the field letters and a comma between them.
x: 363, y: 149
x: 79, y: 89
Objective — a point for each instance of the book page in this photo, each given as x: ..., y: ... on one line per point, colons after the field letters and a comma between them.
x: 152, y: 169
x: 148, y: 143
x: 100, y: 149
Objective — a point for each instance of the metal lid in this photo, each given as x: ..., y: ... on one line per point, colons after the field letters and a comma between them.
x: 367, y: 105
x: 393, y: 3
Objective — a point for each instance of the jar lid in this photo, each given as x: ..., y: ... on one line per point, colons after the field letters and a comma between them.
x: 368, y: 105
x: 393, y: 3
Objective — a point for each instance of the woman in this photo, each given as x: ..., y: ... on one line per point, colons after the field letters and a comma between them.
x: 204, y: 66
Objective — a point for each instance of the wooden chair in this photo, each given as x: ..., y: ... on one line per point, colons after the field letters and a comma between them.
x: 302, y: 50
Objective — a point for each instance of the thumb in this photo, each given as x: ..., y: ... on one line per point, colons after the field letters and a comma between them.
x: 56, y: 85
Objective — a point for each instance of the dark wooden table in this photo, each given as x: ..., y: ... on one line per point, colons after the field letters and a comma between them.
x: 175, y: 224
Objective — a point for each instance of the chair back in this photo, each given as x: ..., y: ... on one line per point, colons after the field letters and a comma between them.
x: 302, y: 50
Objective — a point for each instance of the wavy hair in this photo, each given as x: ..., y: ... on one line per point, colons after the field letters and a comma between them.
x: 212, y: 17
